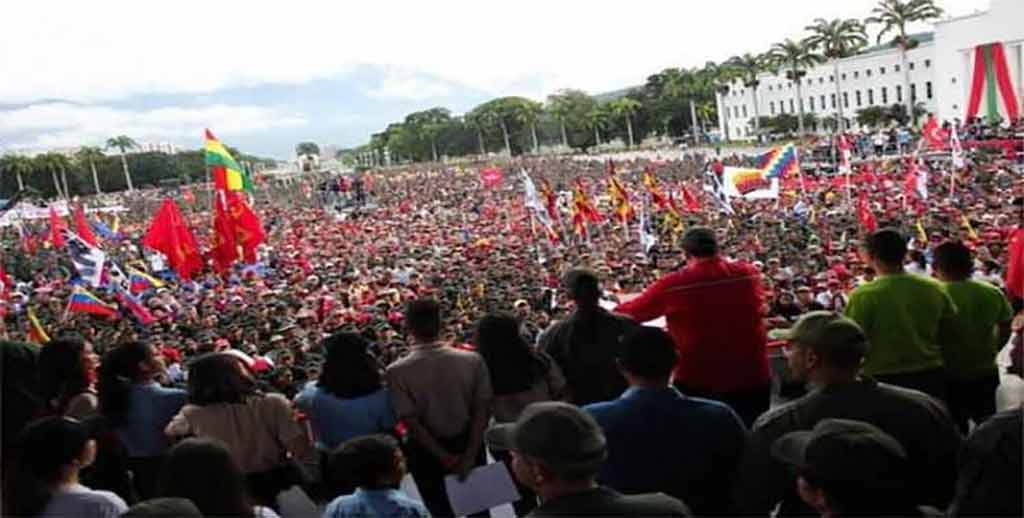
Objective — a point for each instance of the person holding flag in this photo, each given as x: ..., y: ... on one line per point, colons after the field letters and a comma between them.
x: 235, y: 224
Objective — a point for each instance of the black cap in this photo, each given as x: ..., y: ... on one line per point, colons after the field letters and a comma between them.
x: 559, y: 434
x: 700, y: 241
x: 845, y: 451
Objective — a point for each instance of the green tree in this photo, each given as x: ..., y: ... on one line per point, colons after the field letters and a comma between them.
x: 871, y: 117
x: 837, y: 39
x: 429, y: 124
x: 597, y: 120
x: 894, y: 16
x: 570, y: 108
x: 624, y: 108
x: 54, y: 163
x: 123, y: 143
x: 795, y: 57
x: 721, y: 76
x: 89, y: 155
x: 528, y: 113
x: 748, y: 67
x: 19, y: 166
x: 307, y: 148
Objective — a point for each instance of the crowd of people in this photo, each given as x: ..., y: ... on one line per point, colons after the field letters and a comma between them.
x: 441, y: 328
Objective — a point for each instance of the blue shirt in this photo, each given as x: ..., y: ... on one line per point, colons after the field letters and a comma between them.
x: 662, y: 441
x: 366, y: 503
x: 336, y: 420
x: 150, y: 408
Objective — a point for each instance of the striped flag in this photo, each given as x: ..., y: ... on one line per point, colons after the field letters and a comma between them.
x: 36, y: 333
x: 82, y: 301
x: 992, y: 93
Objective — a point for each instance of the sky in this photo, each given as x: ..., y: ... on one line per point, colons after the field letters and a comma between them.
x: 266, y: 75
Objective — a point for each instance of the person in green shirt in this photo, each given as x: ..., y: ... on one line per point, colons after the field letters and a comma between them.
x: 983, y: 318
x: 908, y: 318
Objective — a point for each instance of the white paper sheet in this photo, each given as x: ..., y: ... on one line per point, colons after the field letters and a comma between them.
x: 485, y: 487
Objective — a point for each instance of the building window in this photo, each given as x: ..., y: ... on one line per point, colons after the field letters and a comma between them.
x: 954, y: 80
x: 771, y: 106
x: 736, y: 111
x: 831, y: 79
x: 812, y: 103
x: 833, y: 96
x: 821, y: 80
x: 856, y: 74
x: 842, y: 77
x: 928, y: 90
x: 881, y: 70
x: 782, y: 107
x: 927, y: 63
x: 868, y: 72
x: 910, y: 65
x: 822, y: 103
x: 857, y: 93
x: 899, y: 93
x: 913, y: 92
x: 896, y: 68
x: 791, y: 108
x: 885, y: 95
x: 744, y: 110
x: 846, y: 99
x: 871, y: 97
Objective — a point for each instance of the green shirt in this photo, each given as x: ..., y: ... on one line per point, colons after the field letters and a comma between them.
x: 980, y: 308
x: 901, y: 315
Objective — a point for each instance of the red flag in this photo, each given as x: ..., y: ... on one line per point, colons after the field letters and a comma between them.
x: 491, y: 177
x: 56, y: 227
x: 932, y: 134
x: 864, y: 213
x: 5, y: 282
x: 1015, y: 269
x: 691, y: 201
x: 83, y: 228
x: 170, y: 235
x: 225, y: 247
x: 248, y: 227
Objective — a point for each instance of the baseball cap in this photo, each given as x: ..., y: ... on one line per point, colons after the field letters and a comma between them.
x: 845, y: 451
x: 557, y: 433
x: 825, y: 331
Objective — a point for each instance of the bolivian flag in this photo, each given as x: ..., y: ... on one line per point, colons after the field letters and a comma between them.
x: 228, y: 175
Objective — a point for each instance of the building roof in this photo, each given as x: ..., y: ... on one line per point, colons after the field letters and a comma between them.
x: 920, y: 37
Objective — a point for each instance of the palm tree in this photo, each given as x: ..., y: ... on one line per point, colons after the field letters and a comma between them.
x: 123, y: 143
x: 559, y: 109
x: 895, y: 16
x: 89, y: 155
x: 748, y: 67
x: 705, y: 112
x: 19, y: 165
x: 721, y: 76
x: 597, y: 120
x: 54, y: 163
x: 528, y: 113
x: 837, y: 39
x: 625, y: 108
x: 795, y: 57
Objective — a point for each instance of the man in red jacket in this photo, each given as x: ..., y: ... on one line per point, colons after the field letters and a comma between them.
x: 714, y: 309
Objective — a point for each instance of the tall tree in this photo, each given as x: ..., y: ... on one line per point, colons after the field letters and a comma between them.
x: 528, y: 114
x: 123, y: 143
x: 19, y: 166
x: 894, y: 16
x: 597, y: 120
x: 625, y: 108
x: 55, y: 163
x: 837, y: 39
x: 89, y: 155
x: 721, y: 76
x: 795, y: 57
x: 428, y: 124
x: 570, y: 108
x: 748, y: 67
x: 307, y: 148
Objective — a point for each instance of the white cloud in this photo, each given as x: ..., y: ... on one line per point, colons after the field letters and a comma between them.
x: 114, y: 48
x: 406, y: 85
x: 55, y: 125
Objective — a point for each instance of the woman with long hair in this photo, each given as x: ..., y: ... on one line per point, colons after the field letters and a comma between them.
x: 259, y: 430
x: 520, y: 376
x: 51, y: 452
x: 349, y: 399
x: 67, y: 378
x: 204, y: 472
x: 138, y: 408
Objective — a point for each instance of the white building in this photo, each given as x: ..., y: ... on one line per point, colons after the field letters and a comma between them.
x: 939, y: 75
x: 157, y: 147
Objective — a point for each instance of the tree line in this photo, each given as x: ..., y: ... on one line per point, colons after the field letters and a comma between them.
x: 673, y: 102
x: 91, y: 171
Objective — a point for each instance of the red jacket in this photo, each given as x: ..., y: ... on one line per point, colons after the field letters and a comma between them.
x: 714, y: 310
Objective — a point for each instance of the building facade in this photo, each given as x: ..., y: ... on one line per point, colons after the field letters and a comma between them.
x: 939, y: 71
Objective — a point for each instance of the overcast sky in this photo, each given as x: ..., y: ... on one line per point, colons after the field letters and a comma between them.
x: 262, y: 73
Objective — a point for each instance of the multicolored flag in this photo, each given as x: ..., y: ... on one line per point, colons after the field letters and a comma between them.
x: 170, y: 235
x: 227, y: 173
x: 82, y: 301
x: 654, y: 190
x: 135, y: 307
x: 36, y: 332
x: 992, y: 85
x: 234, y: 222
x: 140, y: 281
x: 88, y: 259
x: 779, y: 162
x: 583, y: 210
x: 550, y: 200
x: 621, y: 205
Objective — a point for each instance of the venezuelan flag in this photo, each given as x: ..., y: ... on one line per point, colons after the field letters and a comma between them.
x: 36, y: 333
x: 140, y: 281
x: 84, y: 302
x: 779, y: 162
x: 227, y: 173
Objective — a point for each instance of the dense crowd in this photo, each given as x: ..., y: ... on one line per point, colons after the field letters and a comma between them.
x: 407, y: 334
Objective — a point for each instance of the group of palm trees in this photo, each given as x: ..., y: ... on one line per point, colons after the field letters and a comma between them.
x: 58, y: 164
x: 830, y: 40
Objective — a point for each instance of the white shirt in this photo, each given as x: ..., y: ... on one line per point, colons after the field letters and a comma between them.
x: 82, y: 502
